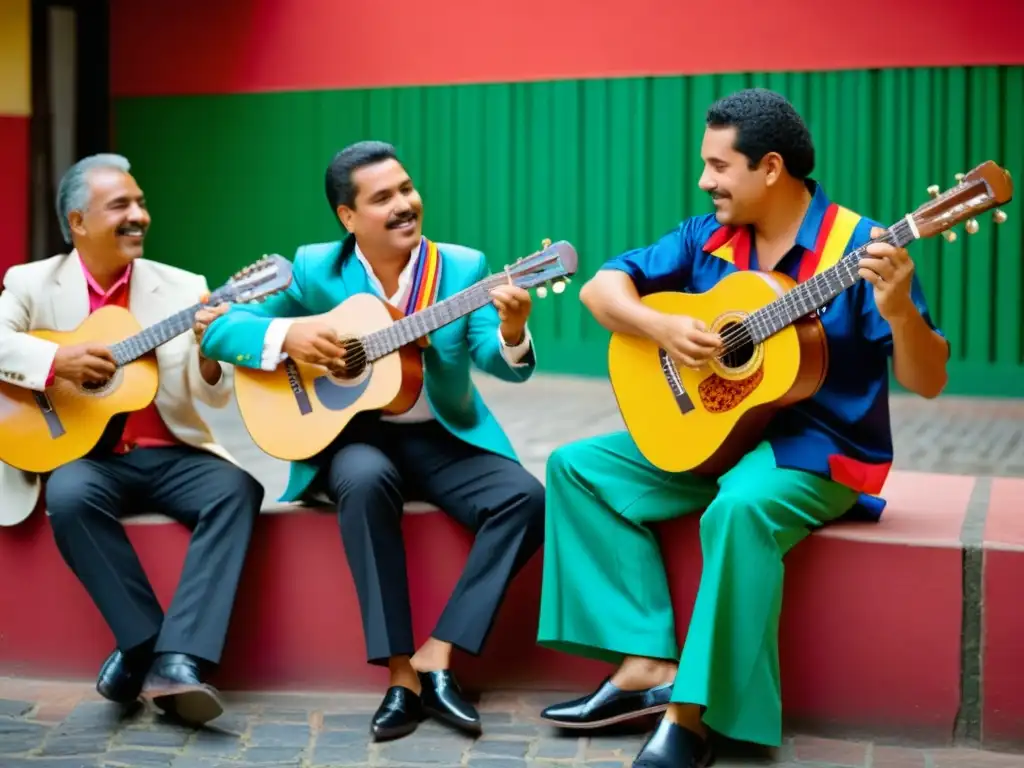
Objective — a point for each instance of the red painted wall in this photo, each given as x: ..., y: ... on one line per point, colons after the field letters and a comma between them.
x: 14, y: 190
x: 15, y: 111
x: 164, y: 47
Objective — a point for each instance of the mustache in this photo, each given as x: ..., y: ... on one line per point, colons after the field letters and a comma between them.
x: 404, y: 218
x: 131, y: 226
x: 716, y: 195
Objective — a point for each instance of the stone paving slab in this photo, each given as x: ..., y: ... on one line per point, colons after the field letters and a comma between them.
x: 950, y: 435
x: 62, y: 725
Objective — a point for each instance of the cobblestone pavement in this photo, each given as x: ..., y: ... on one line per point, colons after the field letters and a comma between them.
x: 52, y: 725
x: 949, y: 435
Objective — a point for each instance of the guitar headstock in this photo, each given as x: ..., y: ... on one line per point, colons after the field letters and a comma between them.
x: 986, y: 187
x: 553, y: 264
x: 255, y: 282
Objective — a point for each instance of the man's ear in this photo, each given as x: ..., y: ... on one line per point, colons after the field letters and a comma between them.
x: 346, y: 216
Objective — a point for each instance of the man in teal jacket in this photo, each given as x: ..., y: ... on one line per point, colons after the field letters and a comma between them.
x: 448, y: 449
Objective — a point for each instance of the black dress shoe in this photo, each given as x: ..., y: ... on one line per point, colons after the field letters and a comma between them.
x: 609, y: 705
x: 174, y: 685
x: 672, y: 746
x: 442, y: 698
x: 398, y: 715
x: 120, y: 678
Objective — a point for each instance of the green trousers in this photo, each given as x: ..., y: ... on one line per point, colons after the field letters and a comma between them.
x: 605, y: 592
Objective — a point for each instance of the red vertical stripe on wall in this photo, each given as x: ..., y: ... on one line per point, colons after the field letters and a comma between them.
x: 14, y: 191
x: 165, y: 47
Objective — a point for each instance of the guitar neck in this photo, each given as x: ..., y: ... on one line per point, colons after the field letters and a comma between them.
x: 417, y: 325
x: 146, y: 341
x: 816, y: 292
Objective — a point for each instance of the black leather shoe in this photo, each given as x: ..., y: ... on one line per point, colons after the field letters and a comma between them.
x: 120, y: 681
x: 609, y: 705
x: 442, y: 698
x: 672, y: 746
x: 174, y: 685
x: 398, y: 715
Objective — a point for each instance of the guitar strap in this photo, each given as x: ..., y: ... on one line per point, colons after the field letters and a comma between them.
x: 426, y: 280
x: 836, y: 229
x: 110, y: 438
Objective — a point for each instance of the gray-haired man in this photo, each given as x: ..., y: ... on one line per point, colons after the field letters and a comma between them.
x: 163, y: 458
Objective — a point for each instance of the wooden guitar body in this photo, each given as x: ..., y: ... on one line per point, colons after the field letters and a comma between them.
x: 298, y: 409
x: 704, y: 420
x: 36, y: 440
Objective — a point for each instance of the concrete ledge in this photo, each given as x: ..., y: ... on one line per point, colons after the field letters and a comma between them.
x: 870, y: 638
x: 1003, y: 615
x: 411, y: 508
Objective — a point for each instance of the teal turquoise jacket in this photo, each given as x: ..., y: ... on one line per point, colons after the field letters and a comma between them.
x: 324, y: 275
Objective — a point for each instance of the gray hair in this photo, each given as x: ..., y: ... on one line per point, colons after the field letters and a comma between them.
x: 73, y: 192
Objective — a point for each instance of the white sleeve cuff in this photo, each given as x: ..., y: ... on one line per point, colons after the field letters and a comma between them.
x: 513, y: 355
x: 273, y: 340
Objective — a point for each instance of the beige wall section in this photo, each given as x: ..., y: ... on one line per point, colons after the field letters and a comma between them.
x: 15, y: 57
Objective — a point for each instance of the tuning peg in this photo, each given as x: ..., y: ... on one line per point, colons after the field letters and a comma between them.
x: 959, y: 177
x: 558, y: 287
x: 933, y: 190
x: 545, y: 243
x: 950, y: 236
x: 541, y: 291
x: 998, y: 217
x: 971, y: 226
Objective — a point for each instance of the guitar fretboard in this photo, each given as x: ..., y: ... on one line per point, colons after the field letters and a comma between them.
x: 149, y: 339
x: 419, y: 324
x: 817, y: 291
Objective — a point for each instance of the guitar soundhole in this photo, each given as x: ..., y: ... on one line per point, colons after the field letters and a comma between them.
x: 738, y: 344
x: 354, y: 363
x: 98, y: 388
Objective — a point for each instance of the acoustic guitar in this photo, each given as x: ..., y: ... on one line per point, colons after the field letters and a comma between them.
x: 298, y: 409
x: 775, y: 354
x: 40, y: 431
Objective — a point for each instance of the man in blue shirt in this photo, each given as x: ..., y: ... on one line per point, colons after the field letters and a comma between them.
x: 605, y: 592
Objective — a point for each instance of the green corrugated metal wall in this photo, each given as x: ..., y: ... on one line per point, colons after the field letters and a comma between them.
x: 606, y: 164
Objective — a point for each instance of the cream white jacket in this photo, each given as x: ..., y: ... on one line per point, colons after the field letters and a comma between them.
x: 53, y: 295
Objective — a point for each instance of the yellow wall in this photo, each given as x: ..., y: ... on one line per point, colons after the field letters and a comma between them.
x: 15, y: 57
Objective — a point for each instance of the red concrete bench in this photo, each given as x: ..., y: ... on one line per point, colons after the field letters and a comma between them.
x: 1003, y: 614
x: 871, y: 634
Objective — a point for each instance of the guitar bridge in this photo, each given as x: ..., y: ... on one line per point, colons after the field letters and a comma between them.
x: 53, y: 422
x: 675, y: 382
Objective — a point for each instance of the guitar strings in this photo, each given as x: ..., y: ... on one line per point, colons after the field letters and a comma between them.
x: 742, y: 333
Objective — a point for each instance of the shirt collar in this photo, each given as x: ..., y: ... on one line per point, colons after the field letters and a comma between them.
x: 95, y: 287
x: 403, y: 278
x: 414, y: 255
x: 807, y: 236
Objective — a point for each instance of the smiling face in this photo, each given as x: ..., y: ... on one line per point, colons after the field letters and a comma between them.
x: 387, y: 212
x: 739, y: 192
x: 113, y: 225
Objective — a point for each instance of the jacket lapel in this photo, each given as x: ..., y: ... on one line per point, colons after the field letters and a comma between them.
x: 144, y: 299
x: 70, y: 300
x: 353, y: 274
